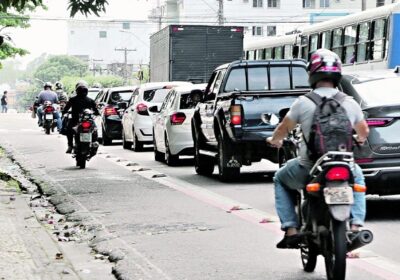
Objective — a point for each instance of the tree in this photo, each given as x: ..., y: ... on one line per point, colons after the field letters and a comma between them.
x: 84, y: 6
x: 60, y: 66
x: 105, y: 81
x: 6, y: 47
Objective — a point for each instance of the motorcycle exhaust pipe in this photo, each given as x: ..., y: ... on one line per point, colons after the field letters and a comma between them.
x: 359, y: 239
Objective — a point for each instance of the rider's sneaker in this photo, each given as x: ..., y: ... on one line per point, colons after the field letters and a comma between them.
x: 40, y: 124
x: 69, y: 150
x: 290, y: 242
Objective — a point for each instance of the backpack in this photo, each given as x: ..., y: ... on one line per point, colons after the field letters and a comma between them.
x: 331, y: 129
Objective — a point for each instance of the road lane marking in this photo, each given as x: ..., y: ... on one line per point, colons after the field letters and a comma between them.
x: 377, y: 265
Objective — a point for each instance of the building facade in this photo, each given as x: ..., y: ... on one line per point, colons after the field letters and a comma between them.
x: 260, y: 18
x: 110, y: 46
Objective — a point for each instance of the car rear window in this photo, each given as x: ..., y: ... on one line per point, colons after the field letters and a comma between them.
x: 119, y: 96
x: 260, y: 78
x: 189, y: 101
x: 379, y: 92
x: 155, y: 95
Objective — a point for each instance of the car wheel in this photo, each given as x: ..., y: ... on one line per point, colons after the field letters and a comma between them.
x: 170, y: 159
x: 106, y: 140
x: 204, y: 165
x: 137, y: 146
x: 125, y: 144
x: 158, y: 156
x: 225, y: 151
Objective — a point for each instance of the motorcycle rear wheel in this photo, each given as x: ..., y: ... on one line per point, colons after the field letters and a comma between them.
x: 47, y: 129
x: 335, y: 256
x: 81, y: 162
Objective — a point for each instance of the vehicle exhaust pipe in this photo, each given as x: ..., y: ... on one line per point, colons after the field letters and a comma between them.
x: 359, y: 239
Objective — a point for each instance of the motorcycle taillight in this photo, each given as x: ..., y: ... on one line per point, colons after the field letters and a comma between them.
x: 338, y: 173
x: 49, y: 110
x: 86, y: 126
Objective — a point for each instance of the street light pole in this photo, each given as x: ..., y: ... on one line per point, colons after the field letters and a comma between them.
x: 220, y: 12
x: 363, y: 5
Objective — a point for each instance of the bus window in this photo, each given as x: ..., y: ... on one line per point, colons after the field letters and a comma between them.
x: 313, y: 43
x: 288, y: 52
x: 337, y: 46
x: 304, y: 47
x: 261, y: 54
x: 362, y: 42
x: 378, y: 39
x: 350, y: 34
x: 268, y: 53
x: 278, y: 53
x: 326, y: 39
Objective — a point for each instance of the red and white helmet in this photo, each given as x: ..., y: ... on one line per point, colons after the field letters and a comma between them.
x: 324, y: 65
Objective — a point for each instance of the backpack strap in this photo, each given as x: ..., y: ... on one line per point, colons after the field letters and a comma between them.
x: 340, y: 97
x: 316, y: 98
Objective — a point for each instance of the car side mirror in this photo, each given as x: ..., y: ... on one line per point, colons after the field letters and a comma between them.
x: 123, y: 105
x: 154, y: 109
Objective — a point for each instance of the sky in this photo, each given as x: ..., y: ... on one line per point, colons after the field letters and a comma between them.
x: 50, y: 36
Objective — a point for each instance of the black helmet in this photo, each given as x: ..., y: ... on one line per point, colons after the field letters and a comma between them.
x: 47, y: 85
x: 324, y: 65
x: 81, y: 88
x: 59, y: 85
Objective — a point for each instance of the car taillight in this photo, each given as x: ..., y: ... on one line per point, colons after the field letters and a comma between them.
x: 141, y: 108
x: 177, y: 118
x: 109, y: 111
x: 338, y: 173
x: 236, y: 114
x: 379, y: 121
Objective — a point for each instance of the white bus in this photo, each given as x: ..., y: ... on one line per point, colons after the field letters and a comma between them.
x: 367, y: 40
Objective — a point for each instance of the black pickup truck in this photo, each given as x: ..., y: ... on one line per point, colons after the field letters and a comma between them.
x: 230, y: 124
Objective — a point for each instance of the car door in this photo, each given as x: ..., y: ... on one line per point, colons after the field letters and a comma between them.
x: 127, y: 118
x: 100, y: 106
x: 159, y: 123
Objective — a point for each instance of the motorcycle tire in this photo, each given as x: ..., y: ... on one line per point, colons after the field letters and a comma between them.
x: 47, y: 130
x: 81, y: 162
x: 309, y: 254
x: 335, y: 256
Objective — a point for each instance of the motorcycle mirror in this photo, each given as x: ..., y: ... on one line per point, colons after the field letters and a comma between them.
x: 269, y: 118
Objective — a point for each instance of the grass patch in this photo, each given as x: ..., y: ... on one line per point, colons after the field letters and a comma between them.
x: 13, y: 184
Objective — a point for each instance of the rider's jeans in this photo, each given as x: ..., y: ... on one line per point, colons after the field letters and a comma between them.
x: 294, y: 176
x: 55, y: 114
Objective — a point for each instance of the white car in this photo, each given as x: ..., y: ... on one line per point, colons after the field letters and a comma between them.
x: 172, y: 125
x: 137, y: 126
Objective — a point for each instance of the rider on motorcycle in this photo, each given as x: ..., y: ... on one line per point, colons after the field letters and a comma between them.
x: 48, y: 95
x: 78, y: 103
x: 324, y: 76
x: 62, y: 96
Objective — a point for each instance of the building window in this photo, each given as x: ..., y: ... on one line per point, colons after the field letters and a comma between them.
x: 380, y: 3
x: 273, y: 3
x: 103, y: 34
x: 309, y: 4
x: 126, y: 25
x: 271, y: 30
x: 257, y: 3
x: 257, y: 31
x: 324, y: 3
x: 245, y: 1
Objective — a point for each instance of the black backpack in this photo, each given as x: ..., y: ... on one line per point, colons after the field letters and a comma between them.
x: 331, y: 129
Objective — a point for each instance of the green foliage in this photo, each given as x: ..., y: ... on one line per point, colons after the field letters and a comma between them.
x: 83, y: 6
x: 59, y: 66
x: 106, y: 81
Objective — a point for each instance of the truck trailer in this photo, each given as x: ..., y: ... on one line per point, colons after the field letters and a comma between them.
x: 192, y: 52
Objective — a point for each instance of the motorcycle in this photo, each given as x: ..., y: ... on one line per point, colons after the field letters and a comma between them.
x: 324, y: 208
x: 86, y: 144
x: 49, y: 122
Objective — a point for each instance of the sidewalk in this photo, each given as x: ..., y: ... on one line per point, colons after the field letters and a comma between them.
x: 27, y: 250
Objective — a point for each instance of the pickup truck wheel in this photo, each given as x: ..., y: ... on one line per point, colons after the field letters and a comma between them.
x: 225, y: 151
x: 203, y: 165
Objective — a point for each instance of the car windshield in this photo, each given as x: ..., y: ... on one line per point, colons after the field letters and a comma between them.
x: 118, y: 96
x: 155, y: 95
x: 93, y: 93
x: 379, y: 92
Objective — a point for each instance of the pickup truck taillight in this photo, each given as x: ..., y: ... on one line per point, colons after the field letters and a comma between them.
x: 236, y: 114
x: 177, y: 118
x: 109, y: 111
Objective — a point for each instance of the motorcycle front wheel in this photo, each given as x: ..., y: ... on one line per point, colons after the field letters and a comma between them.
x: 309, y: 254
x: 336, y: 250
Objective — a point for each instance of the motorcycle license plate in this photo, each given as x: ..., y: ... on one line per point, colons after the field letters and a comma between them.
x: 338, y: 195
x: 85, y: 137
x: 49, y: 116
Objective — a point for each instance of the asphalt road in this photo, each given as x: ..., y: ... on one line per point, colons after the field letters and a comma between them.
x: 180, y: 226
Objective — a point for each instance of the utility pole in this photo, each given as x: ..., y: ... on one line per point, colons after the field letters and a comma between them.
x: 220, y: 12
x: 126, y: 51
x: 94, y: 66
x: 363, y: 5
